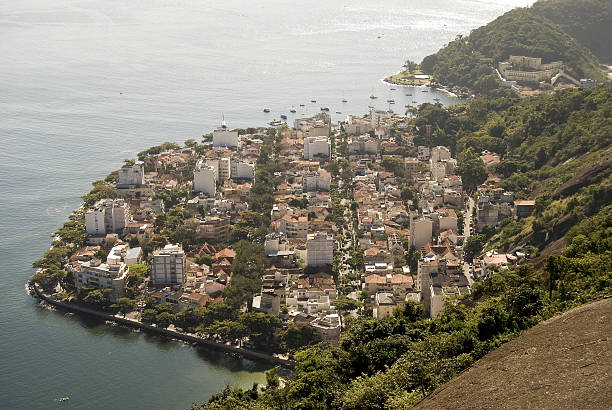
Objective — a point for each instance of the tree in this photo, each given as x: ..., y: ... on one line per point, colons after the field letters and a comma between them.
x: 410, y: 65
x: 124, y: 305
x: 164, y: 319
x: 297, y: 336
x: 472, y: 169
x: 473, y: 245
x: 98, y: 297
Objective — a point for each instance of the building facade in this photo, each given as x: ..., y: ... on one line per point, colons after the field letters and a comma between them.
x: 319, y: 249
x: 168, y: 265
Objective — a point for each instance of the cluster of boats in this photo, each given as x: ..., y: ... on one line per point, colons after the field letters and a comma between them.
x: 390, y: 101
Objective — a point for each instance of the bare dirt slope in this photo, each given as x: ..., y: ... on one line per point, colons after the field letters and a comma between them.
x: 563, y: 363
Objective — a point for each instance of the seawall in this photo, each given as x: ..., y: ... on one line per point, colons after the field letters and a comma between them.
x: 250, y: 354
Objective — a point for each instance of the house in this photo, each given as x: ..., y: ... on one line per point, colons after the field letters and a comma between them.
x: 523, y: 209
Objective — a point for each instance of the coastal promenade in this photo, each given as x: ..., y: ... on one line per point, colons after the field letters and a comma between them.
x: 250, y: 354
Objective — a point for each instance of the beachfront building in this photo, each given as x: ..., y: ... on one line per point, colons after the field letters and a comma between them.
x: 95, y: 274
x: 107, y: 216
x: 131, y: 174
x: 168, y: 265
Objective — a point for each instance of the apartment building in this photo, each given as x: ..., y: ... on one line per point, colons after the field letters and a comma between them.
x: 168, y: 265
x: 319, y: 249
x: 107, y: 216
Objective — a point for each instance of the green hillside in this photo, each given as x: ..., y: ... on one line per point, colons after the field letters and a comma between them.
x: 466, y: 61
x: 587, y: 21
x: 556, y: 147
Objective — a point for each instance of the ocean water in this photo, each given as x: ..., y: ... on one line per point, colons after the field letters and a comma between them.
x: 87, y: 83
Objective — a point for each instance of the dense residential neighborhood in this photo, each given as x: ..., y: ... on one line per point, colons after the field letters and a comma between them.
x: 300, y: 228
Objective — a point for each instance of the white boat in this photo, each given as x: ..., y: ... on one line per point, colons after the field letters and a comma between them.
x: 391, y: 101
x: 373, y: 97
x: 344, y: 100
x: 266, y: 110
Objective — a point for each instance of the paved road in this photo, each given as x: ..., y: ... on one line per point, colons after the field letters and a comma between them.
x: 467, y: 221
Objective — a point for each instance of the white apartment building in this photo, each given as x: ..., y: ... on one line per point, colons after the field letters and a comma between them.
x: 363, y: 144
x: 222, y: 166
x: 131, y: 174
x: 440, y: 153
x: 222, y: 137
x: 107, y: 216
x: 438, y: 170
x: 319, y: 249
x: 319, y: 181
x: 356, y: 125
x: 168, y: 265
x: 420, y: 231
x: 294, y: 227
x: 205, y: 179
x: 242, y: 170
x: 316, y: 147
x: 102, y: 276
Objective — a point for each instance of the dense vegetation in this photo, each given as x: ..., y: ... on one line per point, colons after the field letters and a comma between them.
x: 392, y: 363
x: 467, y: 61
x: 587, y: 21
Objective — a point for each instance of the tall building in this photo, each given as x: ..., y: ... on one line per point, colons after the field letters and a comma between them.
x: 131, y: 174
x: 242, y: 170
x: 223, y: 137
x: 205, y: 179
x: 215, y: 229
x: 421, y: 229
x: 222, y: 167
x: 319, y: 181
x: 319, y: 249
x: 316, y: 147
x: 294, y: 227
x: 168, y: 265
x: 107, y: 216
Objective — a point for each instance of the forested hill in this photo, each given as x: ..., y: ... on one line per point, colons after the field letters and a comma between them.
x: 467, y: 61
x: 587, y: 21
x: 555, y: 147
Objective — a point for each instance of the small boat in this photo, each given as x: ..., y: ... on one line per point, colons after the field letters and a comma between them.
x: 373, y: 97
x: 371, y: 107
x: 313, y: 101
x: 393, y: 89
x: 324, y: 109
x: 408, y: 95
x: 292, y: 110
x: 424, y: 91
x: 414, y: 102
x: 275, y: 123
x: 407, y: 105
x: 301, y: 105
x: 266, y: 110
x: 283, y: 117
x: 436, y: 99
x: 390, y: 111
x: 344, y: 100
x: 391, y: 101
x: 338, y: 112
x: 65, y: 399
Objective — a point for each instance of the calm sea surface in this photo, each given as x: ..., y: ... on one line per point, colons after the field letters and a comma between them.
x: 87, y: 83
